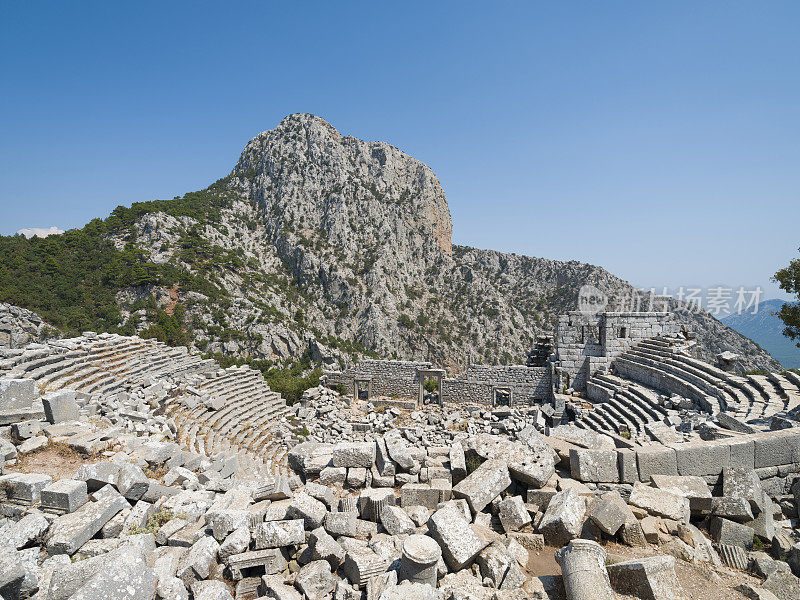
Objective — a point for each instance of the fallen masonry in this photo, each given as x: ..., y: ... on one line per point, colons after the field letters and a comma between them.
x: 200, y: 482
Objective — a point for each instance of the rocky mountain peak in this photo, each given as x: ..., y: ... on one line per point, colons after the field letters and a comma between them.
x: 360, y: 195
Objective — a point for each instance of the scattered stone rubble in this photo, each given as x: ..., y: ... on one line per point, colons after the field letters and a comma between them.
x: 369, y: 500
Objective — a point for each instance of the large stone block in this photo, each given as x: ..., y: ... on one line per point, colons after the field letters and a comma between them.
x: 651, y: 578
x: 484, y: 484
x: 701, y: 458
x: 354, y: 455
x: 460, y: 544
x: 64, y: 496
x: 660, y: 502
x: 564, y: 517
x: 609, y: 512
x: 60, y: 406
x: 730, y: 533
x: 309, y: 509
x: 71, y: 531
x: 277, y: 534
x: 16, y: 394
x: 776, y: 448
x: 597, y: 466
x: 742, y: 453
x: 656, y: 460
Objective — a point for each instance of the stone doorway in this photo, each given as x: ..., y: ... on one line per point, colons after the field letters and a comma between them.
x: 430, y: 386
x: 502, y: 396
x: 362, y: 389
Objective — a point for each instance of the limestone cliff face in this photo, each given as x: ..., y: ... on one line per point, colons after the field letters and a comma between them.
x: 348, y: 243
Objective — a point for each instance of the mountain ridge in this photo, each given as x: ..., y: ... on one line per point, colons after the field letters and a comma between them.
x: 323, y: 242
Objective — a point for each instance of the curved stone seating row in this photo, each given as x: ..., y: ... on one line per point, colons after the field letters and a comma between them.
x: 621, y: 405
x: 243, y: 422
x: 628, y: 400
x: 104, y: 364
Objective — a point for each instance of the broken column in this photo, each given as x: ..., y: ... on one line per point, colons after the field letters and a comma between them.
x: 583, y: 568
x: 418, y: 562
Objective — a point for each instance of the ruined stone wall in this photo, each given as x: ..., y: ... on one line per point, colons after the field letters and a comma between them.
x: 527, y: 384
x: 477, y: 384
x: 386, y: 377
x: 586, y: 343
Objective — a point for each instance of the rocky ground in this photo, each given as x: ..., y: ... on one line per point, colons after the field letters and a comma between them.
x: 384, y: 503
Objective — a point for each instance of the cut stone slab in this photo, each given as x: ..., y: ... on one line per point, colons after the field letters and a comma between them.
x: 130, y: 579
x: 651, y: 578
x: 398, y: 450
x: 660, y: 502
x: 396, y: 521
x: 60, y: 406
x: 609, y: 513
x: 731, y: 533
x: 598, y: 466
x: 484, y: 484
x: 419, y: 494
x: 460, y: 544
x: 656, y: 460
x: 341, y: 523
x: 744, y: 483
x: 17, y: 394
x: 310, y: 457
x: 71, y: 531
x: 563, y: 519
x: 354, y: 454
x: 132, y: 483
x: 98, y: 475
x: 732, y: 508
x: 513, y: 514
x: 277, y: 534
x: 309, y: 509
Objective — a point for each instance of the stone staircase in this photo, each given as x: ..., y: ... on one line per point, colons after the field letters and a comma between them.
x: 628, y: 400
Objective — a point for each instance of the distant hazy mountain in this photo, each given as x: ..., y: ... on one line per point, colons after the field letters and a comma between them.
x: 765, y: 328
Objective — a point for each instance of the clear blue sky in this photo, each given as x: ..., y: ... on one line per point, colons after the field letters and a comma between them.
x: 659, y: 140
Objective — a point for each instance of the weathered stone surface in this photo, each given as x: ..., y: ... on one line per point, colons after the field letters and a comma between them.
x: 530, y: 459
x: 660, y: 502
x: 484, y: 484
x: 398, y: 450
x: 309, y: 509
x: 594, y: 465
x: 609, y: 512
x: 324, y: 547
x: 27, y: 530
x: 656, y: 460
x: 563, y: 519
x: 734, y: 509
x: 316, y: 581
x: 730, y: 533
x: 132, y: 483
x: 199, y: 561
x: 341, y: 523
x: 310, y: 457
x: 419, y: 494
x: 60, y: 406
x: 744, y: 483
x: 276, y: 534
x: 17, y: 393
x: 210, y: 590
x: 651, y: 578
x: 354, y: 454
x: 69, y: 532
x: 459, y: 543
x: 513, y: 514
x: 395, y: 521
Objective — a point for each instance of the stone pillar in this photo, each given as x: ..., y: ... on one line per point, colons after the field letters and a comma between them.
x: 583, y: 568
x: 419, y: 559
x: 372, y: 502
